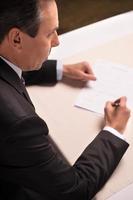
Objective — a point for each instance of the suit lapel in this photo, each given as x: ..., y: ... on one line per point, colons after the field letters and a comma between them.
x: 11, y: 77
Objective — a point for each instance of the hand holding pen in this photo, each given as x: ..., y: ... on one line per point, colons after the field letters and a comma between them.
x: 117, y: 114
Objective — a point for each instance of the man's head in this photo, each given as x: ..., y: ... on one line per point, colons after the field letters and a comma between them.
x: 28, y: 31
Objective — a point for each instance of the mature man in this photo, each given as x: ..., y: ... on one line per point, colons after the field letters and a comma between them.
x: 30, y: 168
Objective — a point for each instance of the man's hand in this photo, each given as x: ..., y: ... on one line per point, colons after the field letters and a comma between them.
x: 116, y: 116
x: 79, y: 71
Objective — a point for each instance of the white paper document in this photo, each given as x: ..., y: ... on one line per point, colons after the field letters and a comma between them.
x: 113, y: 81
x: 126, y: 193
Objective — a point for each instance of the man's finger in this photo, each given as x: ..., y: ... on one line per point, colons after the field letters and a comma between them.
x: 88, y: 68
x: 123, y: 101
x: 87, y: 77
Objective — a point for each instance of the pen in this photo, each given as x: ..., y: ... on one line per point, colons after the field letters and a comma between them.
x: 116, y: 103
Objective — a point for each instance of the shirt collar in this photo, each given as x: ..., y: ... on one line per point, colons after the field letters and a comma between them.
x: 14, y: 67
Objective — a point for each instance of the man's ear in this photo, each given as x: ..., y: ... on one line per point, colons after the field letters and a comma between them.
x: 14, y: 38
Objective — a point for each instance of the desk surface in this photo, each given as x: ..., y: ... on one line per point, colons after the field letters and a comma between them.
x: 70, y: 125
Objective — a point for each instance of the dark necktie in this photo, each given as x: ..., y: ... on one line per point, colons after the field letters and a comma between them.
x: 25, y: 93
x: 22, y: 79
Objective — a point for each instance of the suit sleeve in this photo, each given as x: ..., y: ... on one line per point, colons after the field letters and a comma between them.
x: 30, y: 160
x: 46, y: 75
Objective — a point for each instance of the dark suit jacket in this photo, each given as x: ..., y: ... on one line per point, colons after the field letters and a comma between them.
x: 30, y: 167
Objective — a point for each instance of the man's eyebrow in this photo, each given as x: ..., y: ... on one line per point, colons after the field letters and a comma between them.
x: 55, y: 29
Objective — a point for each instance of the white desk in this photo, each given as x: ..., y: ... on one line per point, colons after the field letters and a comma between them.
x: 72, y: 128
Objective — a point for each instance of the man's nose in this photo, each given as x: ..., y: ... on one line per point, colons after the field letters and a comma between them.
x: 55, y: 41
